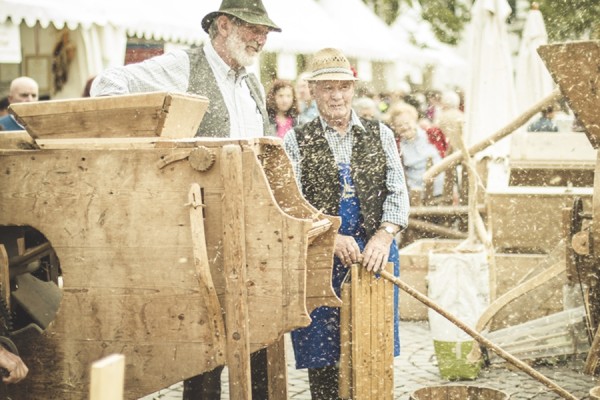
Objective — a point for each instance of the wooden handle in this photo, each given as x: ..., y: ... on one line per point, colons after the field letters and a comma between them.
x: 457, y: 156
x: 475, y: 335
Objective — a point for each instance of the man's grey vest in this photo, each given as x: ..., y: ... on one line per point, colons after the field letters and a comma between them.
x: 320, y: 180
x: 216, y: 121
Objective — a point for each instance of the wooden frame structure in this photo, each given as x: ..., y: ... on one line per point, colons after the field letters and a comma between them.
x: 181, y: 255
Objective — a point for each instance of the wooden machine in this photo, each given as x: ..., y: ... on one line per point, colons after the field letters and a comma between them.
x: 575, y: 67
x: 122, y: 233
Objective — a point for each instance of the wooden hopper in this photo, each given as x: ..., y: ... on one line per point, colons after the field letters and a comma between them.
x: 127, y: 218
x: 575, y: 67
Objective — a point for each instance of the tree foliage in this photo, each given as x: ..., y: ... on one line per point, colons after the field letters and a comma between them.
x: 571, y: 19
x: 447, y: 18
x: 565, y: 19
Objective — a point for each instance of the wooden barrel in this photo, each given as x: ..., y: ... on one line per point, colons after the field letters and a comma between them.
x: 595, y: 393
x: 456, y: 392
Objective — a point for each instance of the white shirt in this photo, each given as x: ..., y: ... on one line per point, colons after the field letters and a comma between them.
x: 171, y: 72
x: 245, y: 118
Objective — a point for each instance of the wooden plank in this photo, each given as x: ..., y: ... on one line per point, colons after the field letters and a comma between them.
x: 4, y: 276
x: 107, y: 378
x: 356, y: 326
x: 377, y: 332
x: 345, y: 376
x: 182, y: 120
x: 388, y: 337
x: 17, y: 140
x: 234, y: 265
x: 373, y: 336
x: 362, y: 338
x: 140, y: 114
x: 277, y: 370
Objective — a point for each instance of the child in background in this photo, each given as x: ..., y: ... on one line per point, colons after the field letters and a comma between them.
x: 282, y: 107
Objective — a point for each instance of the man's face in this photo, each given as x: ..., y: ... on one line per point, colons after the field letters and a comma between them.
x: 245, y: 42
x: 334, y: 98
x: 23, y: 92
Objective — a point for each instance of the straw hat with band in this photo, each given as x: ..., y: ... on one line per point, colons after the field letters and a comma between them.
x: 330, y: 65
x: 250, y: 11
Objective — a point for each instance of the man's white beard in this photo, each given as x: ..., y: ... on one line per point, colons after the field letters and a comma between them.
x: 237, y: 48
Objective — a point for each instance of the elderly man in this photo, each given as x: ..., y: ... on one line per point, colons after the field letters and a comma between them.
x: 350, y: 167
x: 238, y: 32
x: 22, y: 90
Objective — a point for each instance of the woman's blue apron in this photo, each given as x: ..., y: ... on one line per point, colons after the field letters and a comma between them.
x: 318, y: 345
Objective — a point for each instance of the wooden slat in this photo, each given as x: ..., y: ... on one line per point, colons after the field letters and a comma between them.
x: 4, y: 276
x: 277, y: 370
x: 388, y: 338
x: 345, y: 378
x: 356, y: 327
x: 376, y: 336
x: 234, y: 265
x: 107, y: 377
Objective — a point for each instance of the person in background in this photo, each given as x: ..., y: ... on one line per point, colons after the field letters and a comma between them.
x: 4, y: 103
x: 349, y: 167
x: 282, y: 107
x: 238, y: 32
x: 449, y: 102
x: 366, y: 108
x: 22, y: 90
x: 545, y: 123
x: 417, y: 151
x: 307, y: 107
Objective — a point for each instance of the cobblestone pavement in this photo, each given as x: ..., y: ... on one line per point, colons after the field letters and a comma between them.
x: 416, y: 368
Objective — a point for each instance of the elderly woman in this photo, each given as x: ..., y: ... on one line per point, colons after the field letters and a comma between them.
x: 414, y: 145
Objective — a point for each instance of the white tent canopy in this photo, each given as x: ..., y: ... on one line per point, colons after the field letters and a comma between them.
x: 307, y: 25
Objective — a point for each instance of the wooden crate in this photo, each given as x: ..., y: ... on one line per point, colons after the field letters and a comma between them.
x: 131, y: 115
x: 551, y: 159
x: 529, y: 219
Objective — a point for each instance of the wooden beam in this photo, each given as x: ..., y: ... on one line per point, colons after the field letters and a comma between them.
x: 234, y: 265
x: 433, y: 228
x: 457, y: 156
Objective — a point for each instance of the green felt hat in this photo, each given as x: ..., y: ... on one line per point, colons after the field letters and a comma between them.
x: 250, y: 11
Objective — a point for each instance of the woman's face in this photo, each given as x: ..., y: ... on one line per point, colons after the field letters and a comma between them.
x: 284, y: 99
x: 404, y: 126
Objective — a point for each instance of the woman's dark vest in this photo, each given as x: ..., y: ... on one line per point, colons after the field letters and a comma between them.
x: 216, y: 122
x: 320, y: 180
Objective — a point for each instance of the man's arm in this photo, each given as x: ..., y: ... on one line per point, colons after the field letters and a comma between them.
x: 17, y: 370
x: 396, y: 205
x: 168, y: 72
